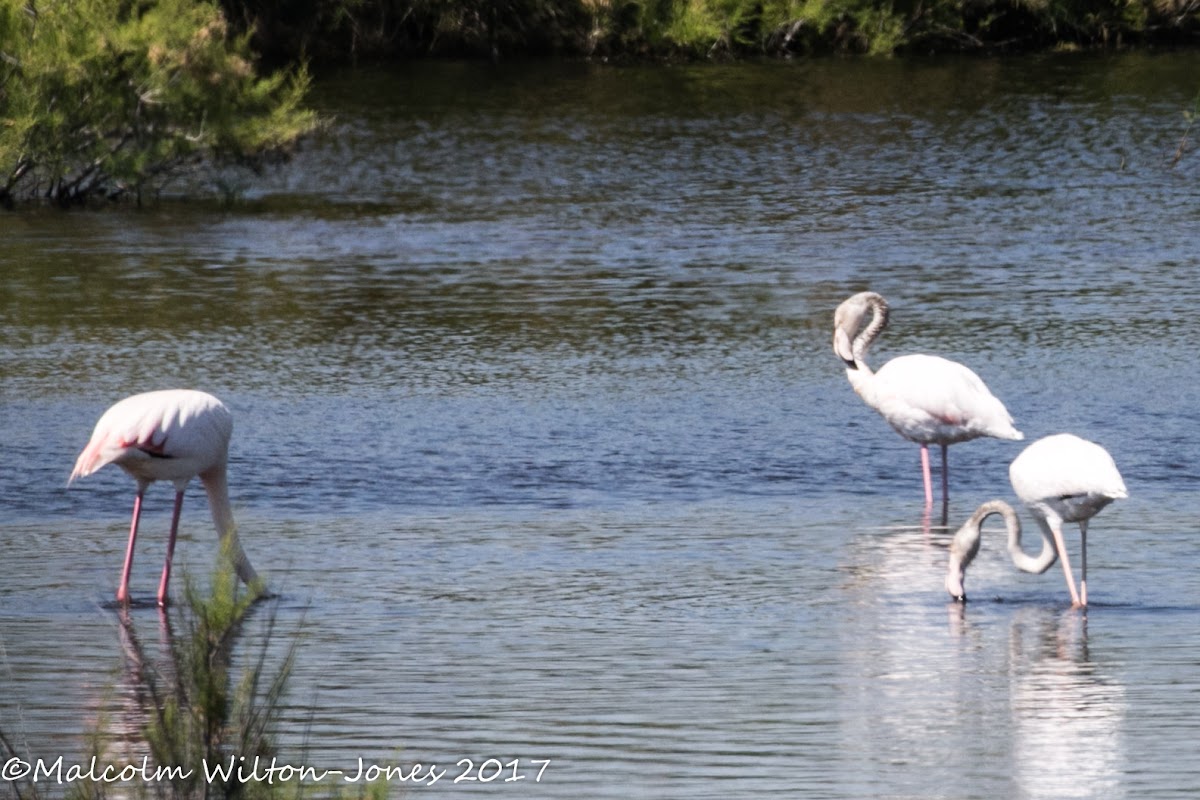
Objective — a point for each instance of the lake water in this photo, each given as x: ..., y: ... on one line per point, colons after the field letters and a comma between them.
x: 541, y: 439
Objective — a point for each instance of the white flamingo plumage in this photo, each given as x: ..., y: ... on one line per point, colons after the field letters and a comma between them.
x: 926, y: 399
x: 169, y: 435
x: 1060, y: 478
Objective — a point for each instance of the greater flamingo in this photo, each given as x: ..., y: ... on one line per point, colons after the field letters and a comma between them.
x: 1060, y: 478
x: 170, y: 435
x: 926, y: 399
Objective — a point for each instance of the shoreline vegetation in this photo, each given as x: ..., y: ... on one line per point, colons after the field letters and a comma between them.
x: 342, y: 31
x: 118, y: 99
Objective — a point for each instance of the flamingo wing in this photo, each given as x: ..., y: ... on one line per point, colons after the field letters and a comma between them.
x: 1065, y: 466
x: 931, y: 399
x: 170, y: 434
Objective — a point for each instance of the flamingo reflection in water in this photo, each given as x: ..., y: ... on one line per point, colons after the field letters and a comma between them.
x: 1066, y: 716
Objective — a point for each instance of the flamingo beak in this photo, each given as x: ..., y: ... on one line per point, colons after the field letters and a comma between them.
x: 954, y: 582
x: 843, y: 347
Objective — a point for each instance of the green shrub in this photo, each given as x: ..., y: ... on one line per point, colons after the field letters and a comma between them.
x: 110, y: 98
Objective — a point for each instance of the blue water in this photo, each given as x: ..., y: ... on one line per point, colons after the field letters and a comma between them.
x: 540, y: 437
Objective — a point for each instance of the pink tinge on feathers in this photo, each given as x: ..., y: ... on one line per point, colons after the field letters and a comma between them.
x: 147, y: 432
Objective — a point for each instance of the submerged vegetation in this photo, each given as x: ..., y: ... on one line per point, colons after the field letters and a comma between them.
x: 1190, y: 116
x: 185, y: 724
x: 196, y: 713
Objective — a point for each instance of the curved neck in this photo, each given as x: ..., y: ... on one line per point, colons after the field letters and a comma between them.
x: 1027, y: 563
x: 965, y: 546
x: 865, y: 337
x: 216, y: 486
x: 1021, y: 560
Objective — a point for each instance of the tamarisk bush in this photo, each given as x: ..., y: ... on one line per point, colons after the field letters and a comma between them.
x: 111, y: 98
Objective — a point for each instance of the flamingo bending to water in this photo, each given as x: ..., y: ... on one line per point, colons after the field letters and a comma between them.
x: 1060, y: 478
x: 170, y: 435
x: 926, y: 399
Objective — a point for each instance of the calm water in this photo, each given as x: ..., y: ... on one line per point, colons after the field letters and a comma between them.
x: 540, y: 436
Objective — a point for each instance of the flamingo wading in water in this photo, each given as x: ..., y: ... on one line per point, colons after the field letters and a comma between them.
x: 1060, y: 478
x: 926, y: 399
x: 170, y: 435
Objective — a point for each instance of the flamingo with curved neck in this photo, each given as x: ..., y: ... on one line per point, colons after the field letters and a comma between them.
x: 172, y: 435
x: 1060, y: 478
x: 926, y: 399
x: 965, y: 546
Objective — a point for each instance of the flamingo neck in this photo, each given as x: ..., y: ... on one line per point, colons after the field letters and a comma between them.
x: 862, y: 380
x: 965, y: 545
x: 1044, y: 560
x: 868, y: 335
x: 216, y: 485
x: 860, y: 374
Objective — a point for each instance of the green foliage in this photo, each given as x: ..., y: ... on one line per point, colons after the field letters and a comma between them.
x: 192, y: 711
x: 198, y: 725
x: 287, y: 29
x: 331, y: 29
x: 117, y: 97
x: 741, y: 27
x: 197, y: 715
x: 1190, y: 116
x: 111, y: 97
x: 697, y: 22
x: 345, y: 30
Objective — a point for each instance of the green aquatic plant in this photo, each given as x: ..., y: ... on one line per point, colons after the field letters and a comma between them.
x: 1190, y: 116
x: 198, y: 716
x: 195, y: 724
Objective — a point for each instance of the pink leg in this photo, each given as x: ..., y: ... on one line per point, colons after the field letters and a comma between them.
x: 123, y: 589
x: 928, y: 480
x: 1056, y: 529
x: 1083, y: 564
x: 166, y: 574
x: 945, y: 477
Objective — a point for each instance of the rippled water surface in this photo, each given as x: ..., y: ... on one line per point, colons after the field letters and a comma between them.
x: 541, y: 440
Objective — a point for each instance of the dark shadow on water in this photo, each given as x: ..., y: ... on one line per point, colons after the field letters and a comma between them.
x: 1063, y: 604
x: 135, y: 603
x: 141, y: 603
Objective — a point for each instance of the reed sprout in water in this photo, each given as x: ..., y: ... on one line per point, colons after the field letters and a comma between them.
x: 196, y: 725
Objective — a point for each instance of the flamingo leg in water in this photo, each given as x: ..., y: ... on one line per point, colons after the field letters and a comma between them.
x: 925, y: 473
x: 1083, y: 564
x: 123, y: 589
x: 1056, y: 529
x: 166, y: 574
x: 945, y: 477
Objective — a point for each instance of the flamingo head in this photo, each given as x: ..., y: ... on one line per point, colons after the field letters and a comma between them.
x: 847, y: 319
x: 965, y: 546
x: 954, y: 580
